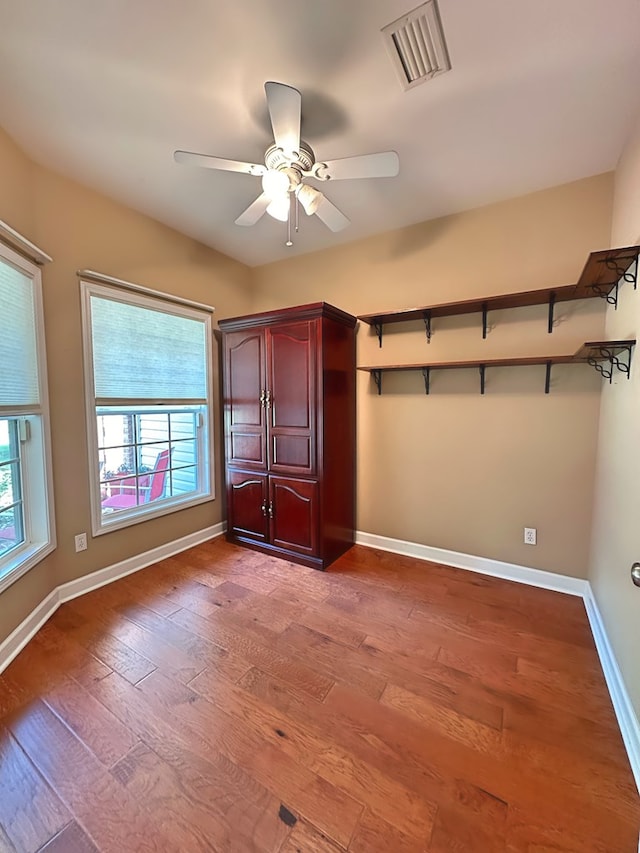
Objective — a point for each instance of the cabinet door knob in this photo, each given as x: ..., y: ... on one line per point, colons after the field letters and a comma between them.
x: 263, y: 397
x: 635, y: 573
x: 270, y: 510
x: 264, y: 508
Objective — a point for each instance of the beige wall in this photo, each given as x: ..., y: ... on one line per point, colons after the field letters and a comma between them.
x: 454, y: 470
x: 457, y: 470
x: 16, y: 197
x: 81, y: 229
x: 616, y: 530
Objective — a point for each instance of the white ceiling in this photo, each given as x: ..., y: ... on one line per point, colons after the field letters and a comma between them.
x: 541, y: 93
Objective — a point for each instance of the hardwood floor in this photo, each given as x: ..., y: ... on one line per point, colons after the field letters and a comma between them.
x: 224, y: 700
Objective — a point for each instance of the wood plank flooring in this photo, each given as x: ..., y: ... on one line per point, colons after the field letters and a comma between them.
x: 223, y: 700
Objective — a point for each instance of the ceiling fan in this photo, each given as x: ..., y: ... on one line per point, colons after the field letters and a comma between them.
x: 289, y: 161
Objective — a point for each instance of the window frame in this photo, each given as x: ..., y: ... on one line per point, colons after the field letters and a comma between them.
x: 128, y: 293
x: 36, y: 469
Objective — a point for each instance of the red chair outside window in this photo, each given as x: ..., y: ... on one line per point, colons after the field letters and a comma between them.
x: 145, y: 492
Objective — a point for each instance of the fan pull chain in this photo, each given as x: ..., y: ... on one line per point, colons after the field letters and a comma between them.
x: 289, y: 241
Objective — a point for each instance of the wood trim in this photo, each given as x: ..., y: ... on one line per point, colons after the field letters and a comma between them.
x: 312, y: 311
x: 100, y: 278
x: 564, y: 293
x: 588, y: 350
x: 487, y: 362
x: 21, y: 244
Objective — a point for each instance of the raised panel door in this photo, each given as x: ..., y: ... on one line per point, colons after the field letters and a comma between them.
x: 294, y: 511
x: 247, y: 499
x: 244, y: 395
x: 291, y: 354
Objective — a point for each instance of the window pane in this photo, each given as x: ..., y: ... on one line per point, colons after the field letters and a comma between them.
x: 11, y: 504
x: 146, y: 455
x: 10, y: 533
x: 116, y: 443
x: 183, y: 424
x: 153, y: 427
x: 183, y: 480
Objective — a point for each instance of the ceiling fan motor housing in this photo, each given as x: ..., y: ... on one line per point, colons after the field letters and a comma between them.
x: 276, y: 158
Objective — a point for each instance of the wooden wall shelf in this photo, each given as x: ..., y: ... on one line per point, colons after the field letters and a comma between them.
x: 601, y: 277
x: 605, y: 356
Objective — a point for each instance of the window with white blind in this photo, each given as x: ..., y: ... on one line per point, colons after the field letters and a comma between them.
x: 26, y: 496
x: 149, y: 410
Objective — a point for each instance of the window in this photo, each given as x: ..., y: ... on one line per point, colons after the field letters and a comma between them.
x: 148, y: 388
x: 26, y: 500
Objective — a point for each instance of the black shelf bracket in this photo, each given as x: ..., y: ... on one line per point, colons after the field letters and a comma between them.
x: 552, y: 305
x: 377, y: 378
x: 606, y: 292
x: 482, y: 370
x: 427, y: 326
x: 627, y: 273
x: 608, y: 361
x: 378, y: 330
x: 426, y: 372
x: 484, y: 321
x: 624, y: 273
x: 547, y: 381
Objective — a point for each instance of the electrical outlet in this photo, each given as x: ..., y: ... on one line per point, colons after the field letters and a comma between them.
x: 530, y: 535
x: 81, y: 542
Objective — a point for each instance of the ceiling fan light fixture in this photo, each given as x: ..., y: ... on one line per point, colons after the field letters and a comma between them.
x: 309, y: 198
x: 289, y: 160
x: 279, y: 207
x: 275, y: 183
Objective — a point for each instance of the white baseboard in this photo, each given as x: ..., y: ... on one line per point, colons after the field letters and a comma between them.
x: 17, y: 640
x: 95, y: 580
x: 481, y: 565
x: 625, y: 713
x: 627, y: 719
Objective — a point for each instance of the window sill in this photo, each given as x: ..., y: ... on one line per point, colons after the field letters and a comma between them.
x: 127, y: 519
x: 22, y: 561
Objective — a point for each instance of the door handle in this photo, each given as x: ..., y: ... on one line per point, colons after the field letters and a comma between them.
x: 270, y: 510
x: 635, y: 573
x: 263, y: 397
x: 264, y: 508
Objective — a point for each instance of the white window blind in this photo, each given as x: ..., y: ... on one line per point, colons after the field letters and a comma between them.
x: 145, y: 353
x: 19, y: 385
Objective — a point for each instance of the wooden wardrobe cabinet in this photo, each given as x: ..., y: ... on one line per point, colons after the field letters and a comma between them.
x: 289, y: 423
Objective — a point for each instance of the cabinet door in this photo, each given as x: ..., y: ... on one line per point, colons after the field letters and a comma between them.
x: 291, y: 355
x: 247, y: 505
x: 244, y: 389
x: 294, y: 511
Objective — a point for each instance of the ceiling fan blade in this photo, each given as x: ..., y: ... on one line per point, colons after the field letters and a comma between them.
x: 383, y: 165
x: 191, y: 159
x: 255, y: 211
x: 285, y: 105
x: 331, y: 216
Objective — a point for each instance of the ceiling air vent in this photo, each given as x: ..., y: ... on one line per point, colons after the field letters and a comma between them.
x: 417, y: 46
